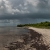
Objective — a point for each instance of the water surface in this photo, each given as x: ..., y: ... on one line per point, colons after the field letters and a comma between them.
x: 12, y: 30
x: 10, y: 34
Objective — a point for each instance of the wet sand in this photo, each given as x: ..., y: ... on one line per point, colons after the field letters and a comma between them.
x: 29, y: 40
x: 9, y: 35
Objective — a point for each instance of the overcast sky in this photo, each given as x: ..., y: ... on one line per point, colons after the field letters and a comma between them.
x: 24, y: 11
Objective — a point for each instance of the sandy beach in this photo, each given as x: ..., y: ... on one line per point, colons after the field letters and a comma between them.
x: 44, y: 32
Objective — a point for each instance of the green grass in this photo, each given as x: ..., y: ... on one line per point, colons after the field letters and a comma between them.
x: 45, y: 24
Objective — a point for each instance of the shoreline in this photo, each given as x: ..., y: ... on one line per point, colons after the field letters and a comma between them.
x: 30, y: 41
x: 45, y: 33
x: 40, y: 30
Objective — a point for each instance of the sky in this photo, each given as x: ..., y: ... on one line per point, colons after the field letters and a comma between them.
x: 13, y: 12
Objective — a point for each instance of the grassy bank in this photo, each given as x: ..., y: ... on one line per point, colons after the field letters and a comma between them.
x: 45, y: 24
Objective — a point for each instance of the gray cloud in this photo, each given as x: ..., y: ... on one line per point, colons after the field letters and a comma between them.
x: 44, y: 6
x: 24, y: 10
x: 24, y: 6
x: 43, y: 3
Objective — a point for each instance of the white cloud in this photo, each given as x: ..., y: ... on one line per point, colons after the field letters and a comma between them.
x: 31, y: 5
x: 23, y: 12
x: 1, y: 7
x: 0, y: 0
x: 33, y: 2
x: 22, y: 6
x: 25, y: 8
x: 8, y: 8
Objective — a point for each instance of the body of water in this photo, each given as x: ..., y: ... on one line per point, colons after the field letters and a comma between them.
x: 13, y: 30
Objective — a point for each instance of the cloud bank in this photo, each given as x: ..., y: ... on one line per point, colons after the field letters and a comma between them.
x: 20, y: 7
x: 24, y: 10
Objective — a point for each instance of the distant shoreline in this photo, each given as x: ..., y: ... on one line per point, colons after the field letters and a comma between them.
x: 45, y: 24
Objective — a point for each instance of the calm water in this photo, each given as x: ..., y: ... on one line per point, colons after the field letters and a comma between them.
x: 12, y: 30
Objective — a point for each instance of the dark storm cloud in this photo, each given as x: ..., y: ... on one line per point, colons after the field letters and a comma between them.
x: 43, y: 3
x: 24, y: 9
x: 26, y: 16
x: 44, y: 6
x: 13, y: 12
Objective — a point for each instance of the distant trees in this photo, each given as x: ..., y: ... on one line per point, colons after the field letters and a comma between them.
x: 20, y: 25
x: 42, y: 24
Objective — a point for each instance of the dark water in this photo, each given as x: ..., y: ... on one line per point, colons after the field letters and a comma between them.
x: 13, y: 30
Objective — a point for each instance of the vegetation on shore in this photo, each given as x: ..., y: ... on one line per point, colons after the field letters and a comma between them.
x: 45, y: 24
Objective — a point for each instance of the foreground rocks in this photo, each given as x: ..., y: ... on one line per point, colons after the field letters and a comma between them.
x: 31, y: 41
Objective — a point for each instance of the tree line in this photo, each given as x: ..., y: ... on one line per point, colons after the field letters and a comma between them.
x: 45, y: 24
